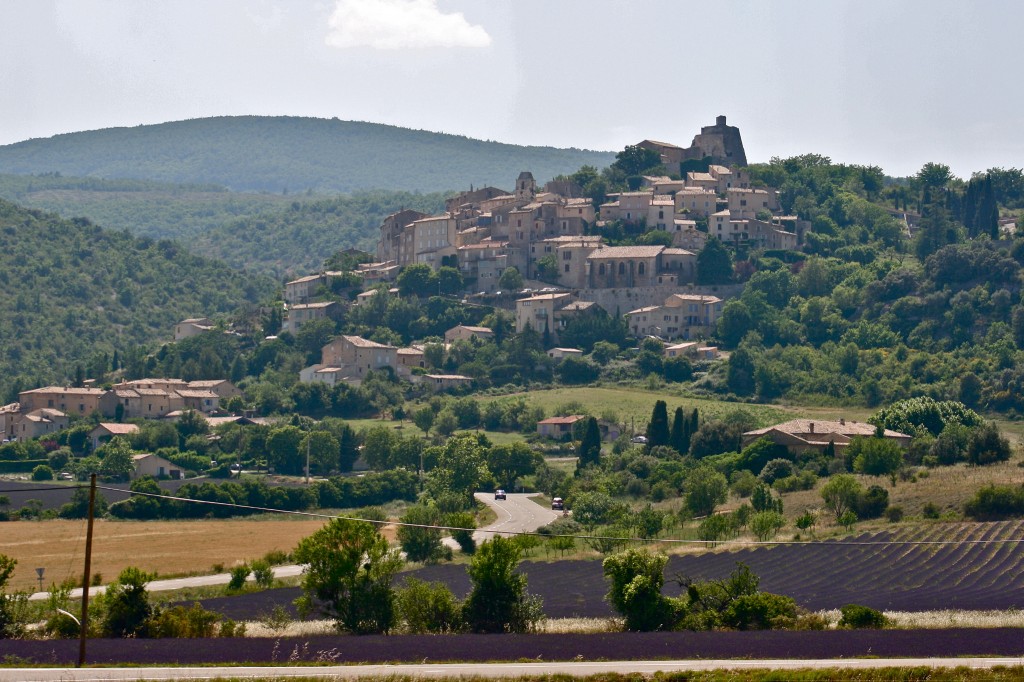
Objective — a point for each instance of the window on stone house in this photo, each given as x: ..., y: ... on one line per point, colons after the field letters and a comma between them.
x: 567, y: 267
x: 600, y: 269
x: 622, y: 268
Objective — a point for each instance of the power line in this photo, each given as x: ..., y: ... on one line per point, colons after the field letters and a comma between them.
x: 669, y: 541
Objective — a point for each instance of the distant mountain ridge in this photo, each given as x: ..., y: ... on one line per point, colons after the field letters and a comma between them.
x: 291, y: 154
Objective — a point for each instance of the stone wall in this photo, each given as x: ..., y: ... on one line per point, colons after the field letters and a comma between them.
x: 623, y: 300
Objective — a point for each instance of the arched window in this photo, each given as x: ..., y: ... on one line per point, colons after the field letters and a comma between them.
x: 641, y: 268
x: 600, y: 269
x: 622, y: 268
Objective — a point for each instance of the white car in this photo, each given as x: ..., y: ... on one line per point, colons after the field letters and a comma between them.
x: 639, y: 440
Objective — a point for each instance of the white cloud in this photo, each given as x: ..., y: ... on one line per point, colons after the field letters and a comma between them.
x: 400, y: 24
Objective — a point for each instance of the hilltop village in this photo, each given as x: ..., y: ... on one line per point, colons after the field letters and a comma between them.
x: 546, y: 244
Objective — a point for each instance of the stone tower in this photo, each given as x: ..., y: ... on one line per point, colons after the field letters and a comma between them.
x: 721, y: 142
x: 526, y: 187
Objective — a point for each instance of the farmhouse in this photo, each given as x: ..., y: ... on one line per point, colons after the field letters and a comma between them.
x: 814, y: 435
x: 149, y: 464
x: 106, y: 431
x: 558, y: 427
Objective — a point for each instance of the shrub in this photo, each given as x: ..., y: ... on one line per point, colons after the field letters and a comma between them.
x: 758, y: 611
x: 872, y: 503
x: 42, y: 473
x: 465, y: 539
x: 776, y: 469
x: 765, y: 525
x: 856, y: 616
x: 986, y: 446
x: 498, y: 601
x: 993, y: 502
x: 239, y: 574
x: 894, y: 514
x: 635, y: 580
x: 806, y: 520
x: 179, y: 621
x: 262, y: 574
x: 428, y: 607
x: 126, y: 603
x: 930, y: 510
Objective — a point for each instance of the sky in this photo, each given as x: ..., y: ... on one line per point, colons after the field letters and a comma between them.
x: 882, y: 82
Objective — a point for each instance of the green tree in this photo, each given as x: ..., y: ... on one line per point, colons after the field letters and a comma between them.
x: 511, y: 279
x: 840, y: 494
x: 876, y: 456
x: 461, y: 467
x: 420, y: 540
x: 126, y: 605
x: 678, y: 437
x: 283, y: 450
x: 657, y: 428
x: 987, y: 445
x: 423, y: 418
x: 498, y: 601
x: 705, y: 489
x: 765, y: 525
x: 509, y: 462
x: 117, y: 462
x: 449, y: 280
x: 714, y: 264
x: 428, y: 608
x: 348, y: 574
x: 10, y: 604
x: 589, y: 450
x: 323, y: 450
x: 635, y: 580
x: 417, y: 279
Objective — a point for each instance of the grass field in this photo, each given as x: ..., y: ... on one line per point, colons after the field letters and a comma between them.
x: 170, y: 547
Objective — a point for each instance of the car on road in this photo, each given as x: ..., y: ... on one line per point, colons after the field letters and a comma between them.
x: 557, y: 504
x: 640, y: 440
x: 499, y: 494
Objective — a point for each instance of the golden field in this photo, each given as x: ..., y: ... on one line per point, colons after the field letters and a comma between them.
x: 170, y: 548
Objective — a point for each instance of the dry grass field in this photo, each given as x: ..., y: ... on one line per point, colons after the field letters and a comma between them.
x: 167, y: 547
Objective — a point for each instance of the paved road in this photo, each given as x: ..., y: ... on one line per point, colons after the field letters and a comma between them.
x: 490, y: 670
x: 518, y: 513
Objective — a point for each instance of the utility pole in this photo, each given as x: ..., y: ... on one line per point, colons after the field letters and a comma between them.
x: 308, y: 439
x: 88, y: 570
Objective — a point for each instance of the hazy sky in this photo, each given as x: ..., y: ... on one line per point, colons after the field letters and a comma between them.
x: 885, y: 82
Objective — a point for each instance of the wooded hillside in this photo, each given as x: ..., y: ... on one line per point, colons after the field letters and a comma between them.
x: 76, y: 293
x: 290, y: 154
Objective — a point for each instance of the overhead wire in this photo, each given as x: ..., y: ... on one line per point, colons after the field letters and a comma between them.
x: 613, y: 538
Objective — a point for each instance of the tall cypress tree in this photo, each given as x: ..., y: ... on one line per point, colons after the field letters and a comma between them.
x: 589, y: 450
x: 677, y: 438
x: 657, y: 428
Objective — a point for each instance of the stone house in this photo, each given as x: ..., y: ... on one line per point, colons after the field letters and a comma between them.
x: 682, y: 316
x: 464, y: 332
x: 301, y: 313
x: 558, y: 427
x: 222, y: 387
x: 639, y: 266
x: 106, y: 431
x: 199, y: 399
x: 148, y: 464
x: 358, y: 356
x: 193, y: 326
x: 39, y: 422
x: 8, y: 414
x: 446, y: 382
x: 325, y: 374
x: 561, y: 353
x: 68, y: 399
x: 814, y: 435
x: 538, y: 311
x: 389, y: 244
x: 696, y: 201
x: 302, y: 289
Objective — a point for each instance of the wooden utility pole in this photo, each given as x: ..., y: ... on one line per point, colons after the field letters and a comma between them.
x: 88, y: 570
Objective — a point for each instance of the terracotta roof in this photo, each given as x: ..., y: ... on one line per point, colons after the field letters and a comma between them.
x: 10, y: 407
x: 675, y: 251
x: 475, y: 330
x: 206, y: 383
x: 308, y: 306
x: 125, y: 393
x: 409, y: 351
x: 571, y: 419
x: 696, y: 298
x: 543, y: 297
x: 70, y: 390
x: 644, y: 310
x: 662, y: 144
x: 307, y: 278
x: 626, y: 252
x: 456, y: 377
x: 578, y: 306
x: 151, y: 391
x: 118, y: 429
x: 360, y: 342
x: 819, y: 427
x: 196, y: 393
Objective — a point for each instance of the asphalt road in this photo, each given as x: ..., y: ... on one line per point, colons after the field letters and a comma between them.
x: 490, y: 670
x: 517, y: 513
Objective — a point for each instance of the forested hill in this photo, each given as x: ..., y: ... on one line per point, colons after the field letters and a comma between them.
x: 277, y: 154
x: 74, y: 293
x: 260, y: 232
